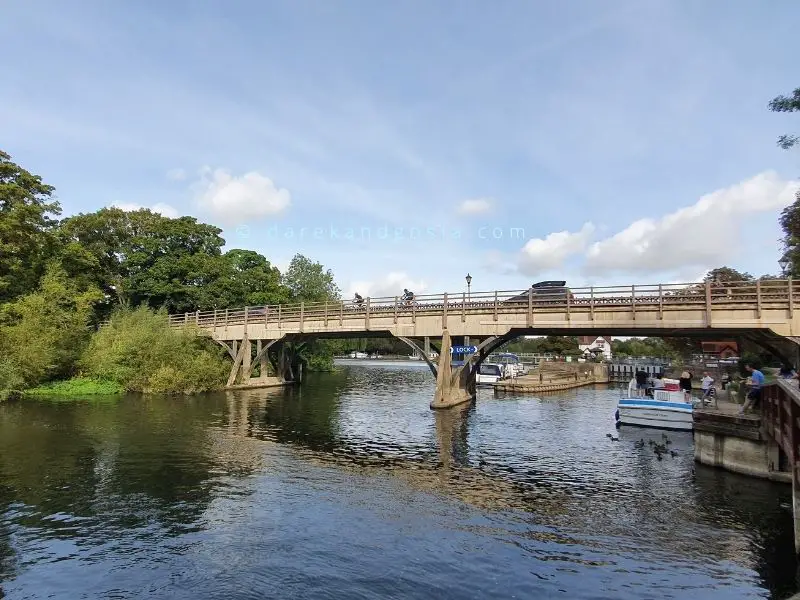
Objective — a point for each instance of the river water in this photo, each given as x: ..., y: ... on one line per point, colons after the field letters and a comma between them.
x: 350, y: 487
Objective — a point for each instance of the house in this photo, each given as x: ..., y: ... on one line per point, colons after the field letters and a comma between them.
x: 595, y: 345
x: 720, y: 349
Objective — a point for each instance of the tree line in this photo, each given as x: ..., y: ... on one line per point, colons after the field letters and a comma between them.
x: 61, y: 278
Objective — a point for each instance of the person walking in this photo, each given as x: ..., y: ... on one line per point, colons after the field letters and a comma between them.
x: 756, y: 383
x: 707, y: 383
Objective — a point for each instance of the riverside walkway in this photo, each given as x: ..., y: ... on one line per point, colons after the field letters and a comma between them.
x: 761, y: 311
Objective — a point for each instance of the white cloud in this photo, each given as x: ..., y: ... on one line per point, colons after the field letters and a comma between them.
x: 233, y: 199
x: 538, y: 255
x: 163, y: 209
x: 699, y: 235
x: 390, y: 285
x: 176, y: 174
x: 475, y: 206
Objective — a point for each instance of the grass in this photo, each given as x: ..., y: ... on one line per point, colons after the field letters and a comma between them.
x: 77, y: 386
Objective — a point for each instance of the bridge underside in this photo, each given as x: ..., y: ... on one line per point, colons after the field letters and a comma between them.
x: 279, y: 361
x: 762, y: 312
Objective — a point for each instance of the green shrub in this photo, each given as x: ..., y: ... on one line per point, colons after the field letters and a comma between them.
x: 318, y: 357
x: 43, y: 334
x: 77, y: 386
x: 140, y: 351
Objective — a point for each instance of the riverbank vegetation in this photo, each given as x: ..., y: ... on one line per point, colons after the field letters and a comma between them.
x: 60, y: 279
x: 77, y: 387
x: 138, y: 350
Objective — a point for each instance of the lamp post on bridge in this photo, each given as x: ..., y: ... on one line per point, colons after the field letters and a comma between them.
x: 469, y: 283
x: 784, y: 264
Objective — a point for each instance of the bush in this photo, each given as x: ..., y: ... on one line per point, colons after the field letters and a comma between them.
x: 78, y: 386
x: 10, y: 378
x: 42, y: 334
x: 318, y: 357
x: 140, y: 351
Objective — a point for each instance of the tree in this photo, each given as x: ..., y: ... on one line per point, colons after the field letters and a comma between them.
x: 636, y: 347
x: 27, y: 226
x: 551, y: 344
x: 145, y: 258
x: 43, y: 333
x: 787, y: 104
x: 725, y: 275
x: 257, y: 282
x: 790, y: 223
x: 309, y: 281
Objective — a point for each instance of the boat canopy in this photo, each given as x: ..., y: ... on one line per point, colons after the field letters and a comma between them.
x: 491, y: 369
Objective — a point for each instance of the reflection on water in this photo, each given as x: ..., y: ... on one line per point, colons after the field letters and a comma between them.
x: 349, y: 486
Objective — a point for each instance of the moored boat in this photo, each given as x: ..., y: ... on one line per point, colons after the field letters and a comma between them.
x: 666, y: 408
x: 511, y: 363
x: 489, y: 374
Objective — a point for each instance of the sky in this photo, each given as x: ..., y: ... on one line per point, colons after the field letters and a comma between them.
x: 405, y: 144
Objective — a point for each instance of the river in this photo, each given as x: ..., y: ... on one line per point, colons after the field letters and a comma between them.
x: 350, y: 487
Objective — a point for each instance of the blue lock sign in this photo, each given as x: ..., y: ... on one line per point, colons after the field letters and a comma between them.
x: 463, y: 350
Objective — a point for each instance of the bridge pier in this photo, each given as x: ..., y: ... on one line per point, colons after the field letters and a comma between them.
x: 453, y: 386
x: 284, y: 365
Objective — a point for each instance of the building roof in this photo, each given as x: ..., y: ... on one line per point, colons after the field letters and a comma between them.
x: 715, y: 347
x: 586, y: 340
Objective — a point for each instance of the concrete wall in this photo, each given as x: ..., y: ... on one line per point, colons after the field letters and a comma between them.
x: 756, y: 458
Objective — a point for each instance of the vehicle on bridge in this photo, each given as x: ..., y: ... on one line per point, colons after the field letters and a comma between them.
x: 544, y: 291
x: 665, y: 409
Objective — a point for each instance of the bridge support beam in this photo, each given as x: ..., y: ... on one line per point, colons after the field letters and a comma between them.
x: 244, y: 364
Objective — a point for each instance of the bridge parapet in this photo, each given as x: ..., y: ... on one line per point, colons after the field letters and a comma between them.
x: 780, y: 416
x: 705, y: 299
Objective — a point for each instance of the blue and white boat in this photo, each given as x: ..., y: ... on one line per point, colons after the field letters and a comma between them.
x: 667, y: 408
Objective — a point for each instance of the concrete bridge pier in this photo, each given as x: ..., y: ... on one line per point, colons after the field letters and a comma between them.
x: 453, y: 386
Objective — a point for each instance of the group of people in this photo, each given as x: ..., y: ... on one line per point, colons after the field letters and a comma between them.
x: 407, y: 298
x: 646, y: 385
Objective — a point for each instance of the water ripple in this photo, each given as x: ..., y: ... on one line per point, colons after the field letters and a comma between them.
x: 350, y: 487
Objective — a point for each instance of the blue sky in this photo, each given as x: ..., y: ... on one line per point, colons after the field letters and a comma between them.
x: 598, y: 142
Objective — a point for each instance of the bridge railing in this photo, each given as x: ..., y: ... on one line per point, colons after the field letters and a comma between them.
x: 780, y: 416
x: 676, y: 296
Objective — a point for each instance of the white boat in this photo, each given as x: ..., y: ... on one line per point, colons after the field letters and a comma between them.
x: 489, y: 374
x: 511, y: 363
x: 666, y: 409
x: 355, y: 354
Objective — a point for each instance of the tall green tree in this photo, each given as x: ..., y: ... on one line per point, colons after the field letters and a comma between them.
x: 27, y: 225
x: 309, y: 281
x: 726, y: 275
x: 638, y: 347
x: 790, y: 103
x: 790, y: 224
x: 790, y: 217
x: 144, y: 258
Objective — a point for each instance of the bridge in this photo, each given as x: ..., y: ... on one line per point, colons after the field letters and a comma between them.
x: 762, y: 312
